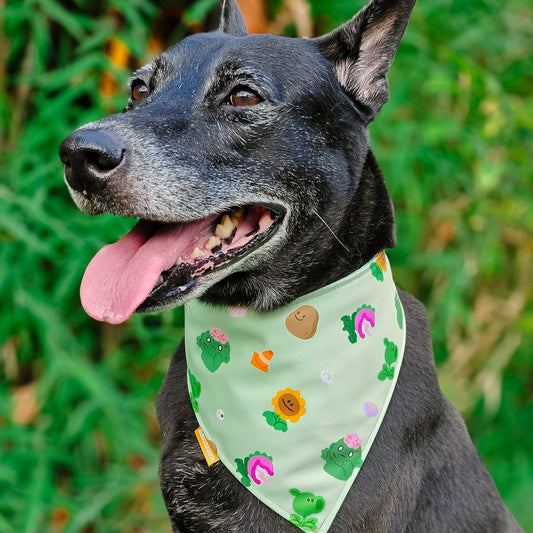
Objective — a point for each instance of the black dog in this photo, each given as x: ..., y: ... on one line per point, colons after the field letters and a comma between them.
x: 227, y: 127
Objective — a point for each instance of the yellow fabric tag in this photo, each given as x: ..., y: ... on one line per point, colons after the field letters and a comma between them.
x: 210, y: 455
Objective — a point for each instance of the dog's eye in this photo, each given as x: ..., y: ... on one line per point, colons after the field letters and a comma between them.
x: 139, y: 91
x: 244, y: 98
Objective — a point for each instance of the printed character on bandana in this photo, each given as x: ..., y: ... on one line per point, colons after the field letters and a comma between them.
x: 343, y: 457
x: 215, y: 348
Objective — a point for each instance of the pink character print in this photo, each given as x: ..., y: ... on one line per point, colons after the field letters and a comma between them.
x: 360, y: 323
x: 256, y: 467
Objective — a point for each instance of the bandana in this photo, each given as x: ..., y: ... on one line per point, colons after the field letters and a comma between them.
x: 291, y: 400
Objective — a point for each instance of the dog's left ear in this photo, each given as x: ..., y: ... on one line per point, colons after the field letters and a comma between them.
x: 362, y: 50
x: 231, y: 20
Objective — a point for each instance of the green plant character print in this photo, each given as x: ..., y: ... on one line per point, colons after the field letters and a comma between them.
x: 391, y: 355
x: 376, y: 271
x: 196, y: 390
x: 215, y: 348
x: 305, y: 504
x: 343, y: 457
x: 360, y: 323
x: 257, y: 467
x: 399, y: 311
x: 379, y: 266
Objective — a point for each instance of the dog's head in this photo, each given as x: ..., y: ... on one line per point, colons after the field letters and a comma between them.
x: 246, y: 159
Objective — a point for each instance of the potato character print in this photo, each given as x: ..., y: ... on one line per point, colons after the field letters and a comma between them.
x: 303, y: 322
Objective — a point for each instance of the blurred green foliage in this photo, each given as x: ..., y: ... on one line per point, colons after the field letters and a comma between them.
x: 78, y: 435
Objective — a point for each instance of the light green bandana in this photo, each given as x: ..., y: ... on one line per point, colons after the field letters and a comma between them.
x: 292, y: 400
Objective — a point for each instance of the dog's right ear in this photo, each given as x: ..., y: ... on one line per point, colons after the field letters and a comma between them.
x: 231, y: 20
x: 362, y: 50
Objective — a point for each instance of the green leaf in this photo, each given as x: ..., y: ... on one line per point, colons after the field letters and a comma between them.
x: 349, y: 327
x: 296, y: 520
x: 310, y: 524
x: 194, y: 403
x: 274, y: 420
x: 382, y: 376
x: 198, y: 11
x: 376, y: 271
x: 70, y: 23
x: 399, y: 311
x: 241, y: 469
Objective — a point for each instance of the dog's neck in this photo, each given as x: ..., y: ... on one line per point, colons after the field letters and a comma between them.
x: 360, y: 232
x: 370, y: 226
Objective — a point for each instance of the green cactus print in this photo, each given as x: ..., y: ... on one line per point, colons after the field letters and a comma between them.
x: 215, y: 348
x: 343, y: 457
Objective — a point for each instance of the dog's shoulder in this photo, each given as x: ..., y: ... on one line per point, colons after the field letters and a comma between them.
x: 414, y: 309
x: 447, y: 466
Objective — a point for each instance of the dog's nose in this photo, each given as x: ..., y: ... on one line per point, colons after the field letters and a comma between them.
x: 90, y: 157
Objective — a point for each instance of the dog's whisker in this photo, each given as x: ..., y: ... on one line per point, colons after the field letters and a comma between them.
x: 331, y: 231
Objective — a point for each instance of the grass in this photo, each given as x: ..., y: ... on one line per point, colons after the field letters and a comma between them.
x: 78, y: 435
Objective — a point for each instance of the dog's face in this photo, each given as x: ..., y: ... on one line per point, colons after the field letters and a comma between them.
x: 237, y: 152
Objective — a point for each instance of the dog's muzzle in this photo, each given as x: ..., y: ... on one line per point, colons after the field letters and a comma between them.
x: 91, y: 157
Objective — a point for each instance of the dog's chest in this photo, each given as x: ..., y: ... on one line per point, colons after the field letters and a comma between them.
x: 291, y: 401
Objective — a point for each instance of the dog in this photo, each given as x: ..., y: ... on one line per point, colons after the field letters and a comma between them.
x: 227, y: 130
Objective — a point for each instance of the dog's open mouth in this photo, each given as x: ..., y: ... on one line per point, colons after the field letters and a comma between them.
x: 159, y: 263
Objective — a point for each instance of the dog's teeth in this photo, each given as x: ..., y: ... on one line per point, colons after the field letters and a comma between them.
x: 197, y: 253
x: 236, y: 217
x: 179, y: 262
x: 212, y: 243
x: 226, y: 227
x: 160, y: 280
x: 237, y: 214
x: 222, y: 232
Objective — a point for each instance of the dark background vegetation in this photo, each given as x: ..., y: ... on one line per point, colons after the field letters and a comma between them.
x: 78, y: 435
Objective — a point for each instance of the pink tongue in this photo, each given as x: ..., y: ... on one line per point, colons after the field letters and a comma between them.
x: 122, y: 275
